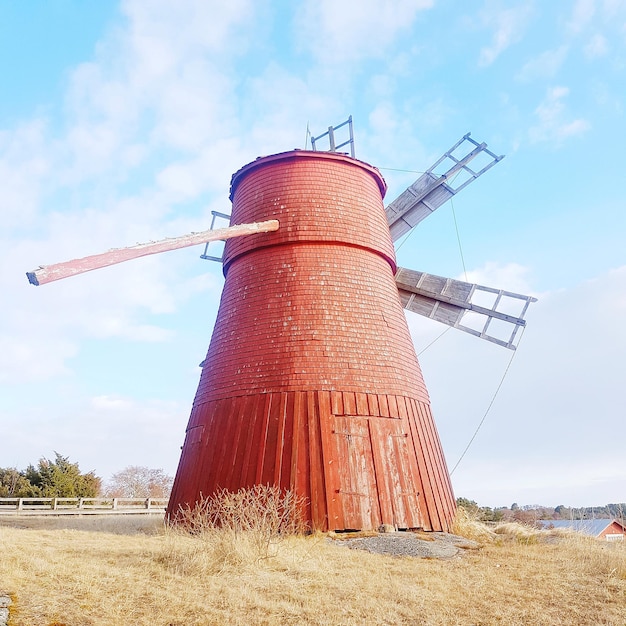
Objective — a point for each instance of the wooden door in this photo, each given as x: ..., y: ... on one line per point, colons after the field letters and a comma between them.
x: 356, y: 476
x: 396, y: 472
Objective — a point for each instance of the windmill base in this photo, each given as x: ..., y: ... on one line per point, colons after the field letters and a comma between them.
x: 361, y: 461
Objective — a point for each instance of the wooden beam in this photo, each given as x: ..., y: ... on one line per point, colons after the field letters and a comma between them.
x: 49, y: 273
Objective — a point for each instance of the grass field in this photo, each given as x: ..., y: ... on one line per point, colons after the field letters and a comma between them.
x: 131, y: 571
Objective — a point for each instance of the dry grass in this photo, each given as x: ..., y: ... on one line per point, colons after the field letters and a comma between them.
x: 88, y: 577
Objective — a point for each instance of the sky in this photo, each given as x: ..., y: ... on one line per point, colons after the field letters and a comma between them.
x: 123, y: 123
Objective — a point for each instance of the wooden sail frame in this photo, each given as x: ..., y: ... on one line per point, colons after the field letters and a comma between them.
x: 49, y: 273
x: 447, y: 300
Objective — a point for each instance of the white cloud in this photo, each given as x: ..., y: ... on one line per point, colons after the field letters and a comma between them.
x: 545, y: 65
x: 109, y: 403
x: 596, y: 47
x: 509, y: 276
x: 25, y: 163
x: 121, y: 431
x: 508, y: 27
x: 582, y: 14
x: 163, y: 79
x: 552, y: 123
x: 33, y: 359
x: 340, y: 32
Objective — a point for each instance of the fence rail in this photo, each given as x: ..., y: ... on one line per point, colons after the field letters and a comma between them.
x: 81, y: 506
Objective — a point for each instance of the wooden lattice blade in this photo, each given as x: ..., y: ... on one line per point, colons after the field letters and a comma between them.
x: 447, y: 301
x: 49, y: 273
x: 431, y: 190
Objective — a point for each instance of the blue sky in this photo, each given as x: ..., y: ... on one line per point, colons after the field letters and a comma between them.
x: 121, y: 123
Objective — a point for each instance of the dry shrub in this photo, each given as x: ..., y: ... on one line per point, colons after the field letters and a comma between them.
x: 232, y: 529
x: 469, y: 526
x: 522, y: 533
x: 262, y: 509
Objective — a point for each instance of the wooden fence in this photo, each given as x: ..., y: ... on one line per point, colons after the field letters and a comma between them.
x: 81, y: 506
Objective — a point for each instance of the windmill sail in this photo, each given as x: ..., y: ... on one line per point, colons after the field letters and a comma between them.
x: 49, y: 273
x: 447, y: 300
x: 431, y: 190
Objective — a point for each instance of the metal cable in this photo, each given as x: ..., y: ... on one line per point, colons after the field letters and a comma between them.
x: 458, y: 238
x: 396, y: 169
x: 495, y: 395
x: 433, y: 341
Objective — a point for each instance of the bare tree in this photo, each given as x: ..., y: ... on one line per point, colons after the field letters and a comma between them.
x: 139, y: 482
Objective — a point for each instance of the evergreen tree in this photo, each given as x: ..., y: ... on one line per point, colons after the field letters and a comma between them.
x: 62, y: 479
x: 14, y: 484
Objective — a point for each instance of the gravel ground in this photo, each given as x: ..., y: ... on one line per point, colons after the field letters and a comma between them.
x: 421, y: 545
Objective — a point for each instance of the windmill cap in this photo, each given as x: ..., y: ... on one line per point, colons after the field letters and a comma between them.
x: 318, y: 198
x: 305, y: 154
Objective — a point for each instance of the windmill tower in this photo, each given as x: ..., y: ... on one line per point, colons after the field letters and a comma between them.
x: 311, y: 381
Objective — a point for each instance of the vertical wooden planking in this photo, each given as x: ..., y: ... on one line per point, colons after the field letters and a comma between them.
x: 284, y: 479
x: 224, y: 444
x: 319, y: 510
x: 298, y: 420
x: 363, y: 476
x: 343, y: 487
x: 204, y: 470
x: 362, y: 407
x: 244, y: 436
x: 303, y: 484
x: 434, y: 476
x: 249, y: 462
x: 336, y: 400
x: 426, y: 495
x: 349, y: 403
x: 372, y: 401
x: 267, y: 410
x: 388, y: 431
x: 430, y: 479
x: 383, y: 485
x: 437, y: 481
x: 237, y: 446
x: 411, y: 476
x: 299, y: 483
x: 393, y: 406
x: 384, y: 405
x: 275, y: 417
x: 331, y: 469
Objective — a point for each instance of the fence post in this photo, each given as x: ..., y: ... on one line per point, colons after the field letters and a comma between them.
x: 80, y: 503
x: 20, y: 504
x: 115, y: 503
x: 54, y: 504
x: 147, y: 503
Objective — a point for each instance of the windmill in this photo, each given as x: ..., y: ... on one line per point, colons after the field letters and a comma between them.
x: 311, y: 382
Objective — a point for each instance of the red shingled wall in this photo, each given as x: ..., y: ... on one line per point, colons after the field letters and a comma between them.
x: 311, y: 380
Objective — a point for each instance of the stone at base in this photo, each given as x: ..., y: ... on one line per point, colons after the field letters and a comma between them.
x: 386, y: 528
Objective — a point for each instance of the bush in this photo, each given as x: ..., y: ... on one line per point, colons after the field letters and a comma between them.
x: 232, y: 529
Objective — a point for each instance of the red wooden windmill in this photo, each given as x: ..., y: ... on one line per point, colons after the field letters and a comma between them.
x: 311, y: 382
